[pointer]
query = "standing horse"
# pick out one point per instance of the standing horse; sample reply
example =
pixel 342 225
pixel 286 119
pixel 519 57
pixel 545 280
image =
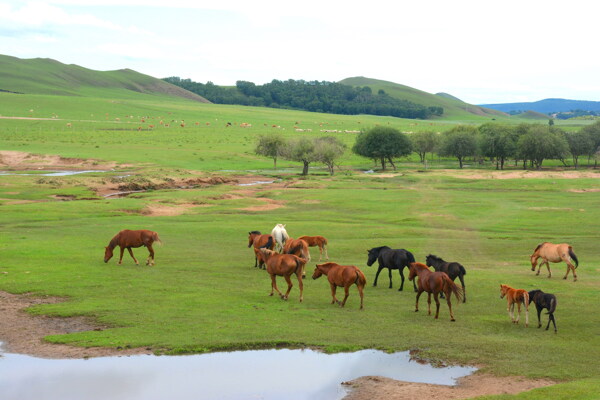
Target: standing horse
pixel 342 276
pixel 280 235
pixel 258 240
pixel 433 283
pixel 283 265
pixel 320 241
pixel 453 269
pixel 544 300
pixel 298 247
pixel 554 253
pixel 126 239
pixel 391 259
pixel 515 296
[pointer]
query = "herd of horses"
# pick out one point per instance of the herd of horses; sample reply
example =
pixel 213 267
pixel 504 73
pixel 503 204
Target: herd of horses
pixel 284 256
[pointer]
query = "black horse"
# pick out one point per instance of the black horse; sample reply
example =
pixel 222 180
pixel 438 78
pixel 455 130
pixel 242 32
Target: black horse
pixel 391 259
pixel 544 300
pixel 453 269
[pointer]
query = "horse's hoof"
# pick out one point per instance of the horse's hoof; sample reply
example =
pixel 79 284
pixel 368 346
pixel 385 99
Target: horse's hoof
pixel 416 310
pixel 452 320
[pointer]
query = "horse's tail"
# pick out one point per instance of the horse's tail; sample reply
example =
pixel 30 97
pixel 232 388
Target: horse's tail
pixel 294 249
pixel 324 240
pixel 361 280
pixel 299 263
pixel 462 269
pixel 156 238
pixel 552 306
pixel 573 256
pixel 454 288
pixel 269 243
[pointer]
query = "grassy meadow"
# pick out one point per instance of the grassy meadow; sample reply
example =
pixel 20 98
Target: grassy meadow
pixel 204 294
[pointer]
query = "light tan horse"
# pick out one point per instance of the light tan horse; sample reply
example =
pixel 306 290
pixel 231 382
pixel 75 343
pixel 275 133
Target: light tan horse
pixel 515 296
pixel 283 265
pixel 554 253
pixel 319 241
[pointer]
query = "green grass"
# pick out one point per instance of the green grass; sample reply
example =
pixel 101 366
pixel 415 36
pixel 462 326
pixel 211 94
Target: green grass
pixel 204 293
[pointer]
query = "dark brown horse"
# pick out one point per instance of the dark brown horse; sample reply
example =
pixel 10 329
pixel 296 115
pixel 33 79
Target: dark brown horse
pixel 127 239
pixel 342 276
pixel 298 247
pixel 433 283
pixel 258 240
pixel 314 241
pixel 283 265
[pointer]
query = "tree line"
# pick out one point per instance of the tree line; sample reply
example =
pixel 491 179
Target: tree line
pixel 525 144
pixel 315 96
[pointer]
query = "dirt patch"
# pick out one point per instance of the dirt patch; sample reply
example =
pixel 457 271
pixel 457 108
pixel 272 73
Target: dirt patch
pixel 162 210
pixel 377 387
pixel 18 160
pixel 23 333
pixel 584 190
pixel 267 205
pixel 520 174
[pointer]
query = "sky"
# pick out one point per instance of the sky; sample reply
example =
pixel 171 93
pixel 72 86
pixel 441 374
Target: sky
pixel 479 51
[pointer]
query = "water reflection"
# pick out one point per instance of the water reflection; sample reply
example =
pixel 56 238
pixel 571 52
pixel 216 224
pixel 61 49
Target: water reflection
pixel 53 173
pixel 265 374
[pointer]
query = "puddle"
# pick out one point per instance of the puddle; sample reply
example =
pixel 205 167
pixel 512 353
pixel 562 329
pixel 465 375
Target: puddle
pixel 123 194
pixel 53 173
pixel 255 183
pixel 260 374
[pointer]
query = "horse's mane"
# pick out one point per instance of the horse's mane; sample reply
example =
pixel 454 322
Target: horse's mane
pixel 381 248
pixel 255 233
pixel 114 242
pixel 436 257
pixel 538 246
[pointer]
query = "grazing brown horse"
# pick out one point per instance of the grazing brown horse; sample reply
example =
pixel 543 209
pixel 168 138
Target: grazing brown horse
pixel 515 296
pixel 283 265
pixel 127 239
pixel 258 240
pixel 319 241
pixel 342 276
pixel 433 283
pixel 298 247
pixel 554 253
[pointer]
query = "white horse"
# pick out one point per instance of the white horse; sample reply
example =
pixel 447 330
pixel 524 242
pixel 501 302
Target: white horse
pixel 280 235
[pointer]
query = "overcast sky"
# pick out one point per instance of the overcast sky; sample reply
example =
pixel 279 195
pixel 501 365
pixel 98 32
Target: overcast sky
pixel 479 51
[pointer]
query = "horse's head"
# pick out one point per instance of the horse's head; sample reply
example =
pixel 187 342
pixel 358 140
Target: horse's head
pixel 412 271
pixel 373 254
pixel 503 290
pixel 534 259
pixel 429 260
pixel 251 236
pixel 108 253
pixel 317 273
pixel 266 252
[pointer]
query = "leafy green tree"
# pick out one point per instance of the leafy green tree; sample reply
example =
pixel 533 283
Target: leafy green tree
pixel 593 131
pixel 270 146
pixel 383 144
pixel 301 149
pixel 424 142
pixel 498 142
pixel 580 144
pixel 541 143
pixel 459 142
pixel 327 150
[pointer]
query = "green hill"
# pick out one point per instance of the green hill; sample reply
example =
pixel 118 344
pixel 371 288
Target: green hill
pixel 453 107
pixel 50 77
pixel 532 115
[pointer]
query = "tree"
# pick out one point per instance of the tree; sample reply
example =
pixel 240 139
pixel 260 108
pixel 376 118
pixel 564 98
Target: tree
pixel 593 131
pixel 327 150
pixel 270 146
pixel 301 149
pixel 383 144
pixel 460 142
pixel 498 142
pixel 540 143
pixel 580 144
pixel 424 142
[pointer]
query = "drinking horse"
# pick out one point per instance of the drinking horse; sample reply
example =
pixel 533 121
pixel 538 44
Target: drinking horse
pixel 258 240
pixel 554 253
pixel 342 276
pixel 319 241
pixel 283 265
pixel 518 297
pixel 433 283
pixel 126 239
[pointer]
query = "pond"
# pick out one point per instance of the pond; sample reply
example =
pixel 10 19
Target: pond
pixel 51 173
pixel 260 374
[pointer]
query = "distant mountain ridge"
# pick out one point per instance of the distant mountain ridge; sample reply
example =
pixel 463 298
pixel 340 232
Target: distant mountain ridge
pixel 51 77
pixel 547 106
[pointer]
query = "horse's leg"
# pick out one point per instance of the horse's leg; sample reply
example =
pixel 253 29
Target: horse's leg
pixel 360 292
pixel 526 313
pixel 401 276
pixel 417 300
pixel 390 276
pixel 548 266
pixel 320 252
pixel 462 282
pixel 333 289
pixel 326 255
pixel 274 285
pixel 150 260
pixel 290 285
pixel 437 305
pixel 300 285
pixel 448 296
pixel 510 308
pixel 132 256
pixel 539 312
pixel 518 312
pixel 551 316
pixel 377 275
pixel 540 267
pixel 428 303
pixel 346 294
pixel 121 255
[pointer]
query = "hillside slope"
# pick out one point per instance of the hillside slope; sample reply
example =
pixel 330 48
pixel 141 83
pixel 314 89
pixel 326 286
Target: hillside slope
pixel 547 106
pixel 453 107
pixel 51 77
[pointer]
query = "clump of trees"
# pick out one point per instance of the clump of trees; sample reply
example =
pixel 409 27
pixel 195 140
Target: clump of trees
pixel 317 96
pixel 382 144
pixel 304 149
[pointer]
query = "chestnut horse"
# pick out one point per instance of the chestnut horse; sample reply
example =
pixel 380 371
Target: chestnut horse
pixel 127 239
pixel 515 296
pixel 342 276
pixel 554 253
pixel 433 283
pixel 453 269
pixel 258 240
pixel 283 265
pixel 298 247
pixel 319 241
